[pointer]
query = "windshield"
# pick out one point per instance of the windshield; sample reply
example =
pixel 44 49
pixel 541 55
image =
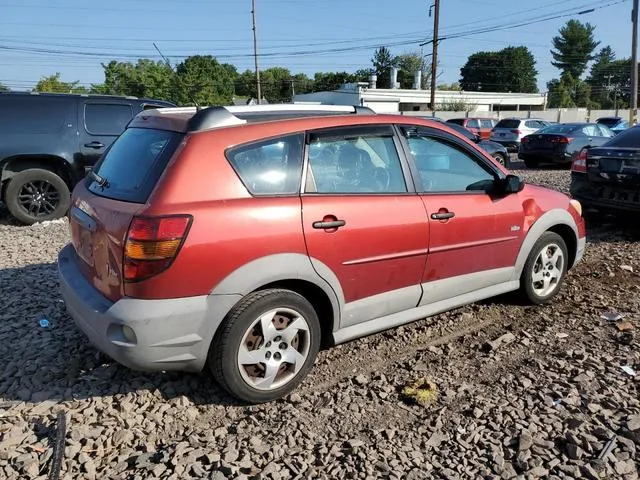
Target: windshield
pixel 627 139
pixel 132 166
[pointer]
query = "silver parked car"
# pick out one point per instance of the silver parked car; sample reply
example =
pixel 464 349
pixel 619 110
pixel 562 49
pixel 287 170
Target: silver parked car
pixel 509 131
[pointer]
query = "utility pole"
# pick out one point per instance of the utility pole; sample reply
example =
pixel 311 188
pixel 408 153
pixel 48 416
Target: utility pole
pixel 633 114
pixel 255 49
pixel 434 58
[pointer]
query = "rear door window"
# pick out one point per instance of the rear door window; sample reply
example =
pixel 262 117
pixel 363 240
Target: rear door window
pixel 106 118
pixel 33 114
pixel 270 167
pixel 473 124
pixel 134 163
pixel 486 123
pixel 590 131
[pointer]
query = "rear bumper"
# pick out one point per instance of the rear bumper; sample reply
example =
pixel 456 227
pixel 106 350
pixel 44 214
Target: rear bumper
pixel 508 144
pixel 545 156
pixel 171 334
pixel 607 196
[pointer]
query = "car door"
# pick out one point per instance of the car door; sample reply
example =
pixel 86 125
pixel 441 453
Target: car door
pixel 474 236
pixel 100 122
pixel 366 230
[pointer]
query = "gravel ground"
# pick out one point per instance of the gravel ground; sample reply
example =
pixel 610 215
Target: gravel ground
pixel 521 392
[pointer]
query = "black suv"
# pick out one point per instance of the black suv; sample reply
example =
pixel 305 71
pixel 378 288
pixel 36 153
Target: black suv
pixel 48 142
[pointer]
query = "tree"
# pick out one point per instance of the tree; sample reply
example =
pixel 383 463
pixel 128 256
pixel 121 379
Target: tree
pixel 325 81
pixel 146 78
pixel 511 69
pixel 452 87
pixel 574 48
pixel 53 84
pixel 4 88
pixel 276 85
pixel 601 75
pixel 382 62
pixel 207 81
pixel 569 92
pixel 408 64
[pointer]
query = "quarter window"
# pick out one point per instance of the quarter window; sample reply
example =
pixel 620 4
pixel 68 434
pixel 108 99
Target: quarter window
pixel 360 160
pixel 446 167
pixel 106 119
pixel 270 167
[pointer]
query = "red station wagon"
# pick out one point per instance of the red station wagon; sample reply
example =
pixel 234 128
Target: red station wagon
pixel 237 237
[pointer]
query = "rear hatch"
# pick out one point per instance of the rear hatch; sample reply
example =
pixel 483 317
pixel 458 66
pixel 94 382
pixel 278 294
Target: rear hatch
pixel 546 142
pixel 614 166
pixel 617 162
pixel 105 203
pixel 506 130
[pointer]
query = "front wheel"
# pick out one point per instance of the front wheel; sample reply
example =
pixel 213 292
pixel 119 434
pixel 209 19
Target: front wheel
pixel 37 195
pixel 265 346
pixel 545 269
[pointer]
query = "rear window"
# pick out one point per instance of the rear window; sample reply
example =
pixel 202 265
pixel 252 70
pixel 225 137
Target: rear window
pixel 558 128
pixel 133 164
pixel 106 118
pixel 609 122
pixel 456 121
pixel 508 123
pixel 629 138
pixel 32 114
pixel 486 123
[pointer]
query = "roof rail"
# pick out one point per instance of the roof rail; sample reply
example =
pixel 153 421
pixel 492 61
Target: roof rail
pixel 222 116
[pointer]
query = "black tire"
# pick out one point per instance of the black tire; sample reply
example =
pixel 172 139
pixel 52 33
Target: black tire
pixel 224 349
pixel 23 184
pixel 531 163
pixel 526 279
pixel 502 159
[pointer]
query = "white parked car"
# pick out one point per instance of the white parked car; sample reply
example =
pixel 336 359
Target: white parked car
pixel 509 131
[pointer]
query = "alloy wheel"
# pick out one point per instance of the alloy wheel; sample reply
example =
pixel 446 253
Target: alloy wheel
pixel 547 270
pixel 38 198
pixel 274 349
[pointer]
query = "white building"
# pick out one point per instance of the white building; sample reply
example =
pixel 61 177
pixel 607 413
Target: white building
pixel 395 100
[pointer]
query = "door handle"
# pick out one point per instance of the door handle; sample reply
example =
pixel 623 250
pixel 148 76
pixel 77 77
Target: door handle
pixel 329 224
pixel 442 215
pixel 95 145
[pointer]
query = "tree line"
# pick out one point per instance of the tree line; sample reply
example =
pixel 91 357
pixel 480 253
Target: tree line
pixel 203 79
pixel 513 69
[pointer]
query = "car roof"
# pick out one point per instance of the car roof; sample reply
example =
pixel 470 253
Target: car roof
pixel 85 95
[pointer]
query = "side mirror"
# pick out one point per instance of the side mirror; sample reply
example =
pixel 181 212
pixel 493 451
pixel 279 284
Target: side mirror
pixel 512 184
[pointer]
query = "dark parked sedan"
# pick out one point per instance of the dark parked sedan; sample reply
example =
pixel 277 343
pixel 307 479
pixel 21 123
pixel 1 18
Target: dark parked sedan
pixel 494 149
pixel 608 177
pixel 560 143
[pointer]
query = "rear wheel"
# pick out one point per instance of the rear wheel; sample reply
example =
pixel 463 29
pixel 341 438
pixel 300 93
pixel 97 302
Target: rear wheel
pixel 545 269
pixel 37 195
pixel 265 346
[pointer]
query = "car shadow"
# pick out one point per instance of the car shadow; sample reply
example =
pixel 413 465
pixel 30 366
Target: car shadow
pixel 46 357
pixel 6 218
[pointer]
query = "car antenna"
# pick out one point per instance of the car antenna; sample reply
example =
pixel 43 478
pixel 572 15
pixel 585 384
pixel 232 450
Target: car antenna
pixel 166 60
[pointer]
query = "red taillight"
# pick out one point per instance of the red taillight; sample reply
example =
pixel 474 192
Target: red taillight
pixel 561 140
pixel 152 244
pixel 517 132
pixel 525 139
pixel 579 163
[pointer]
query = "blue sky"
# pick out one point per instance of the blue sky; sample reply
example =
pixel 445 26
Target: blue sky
pixel 125 30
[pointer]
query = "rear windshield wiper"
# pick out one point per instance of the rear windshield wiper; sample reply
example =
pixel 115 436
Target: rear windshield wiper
pixel 101 181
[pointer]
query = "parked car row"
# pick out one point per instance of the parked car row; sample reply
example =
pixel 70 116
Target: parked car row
pixel 48 142
pixel 236 239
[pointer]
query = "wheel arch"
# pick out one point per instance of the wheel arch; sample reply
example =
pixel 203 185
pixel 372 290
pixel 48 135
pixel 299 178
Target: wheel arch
pixel 18 163
pixel 293 272
pixel 557 220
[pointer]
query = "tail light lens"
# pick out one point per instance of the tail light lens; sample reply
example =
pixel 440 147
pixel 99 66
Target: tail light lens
pixel 517 132
pixel 152 244
pixel 579 163
pixel 525 139
pixel 561 140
